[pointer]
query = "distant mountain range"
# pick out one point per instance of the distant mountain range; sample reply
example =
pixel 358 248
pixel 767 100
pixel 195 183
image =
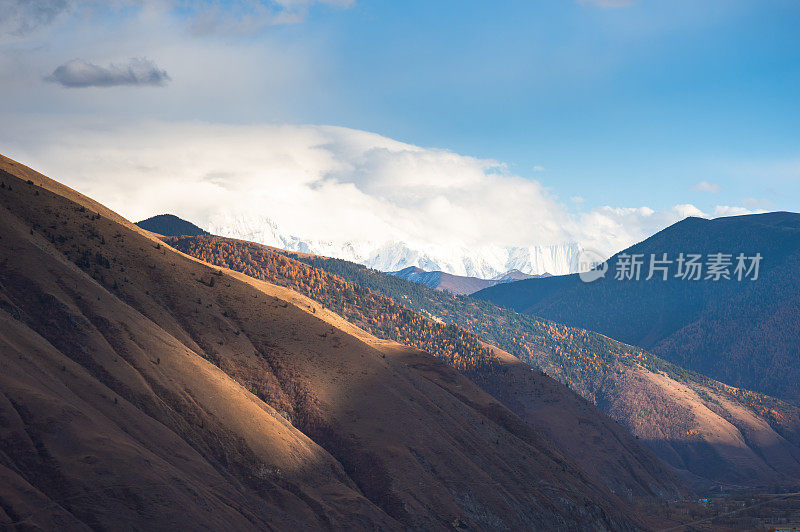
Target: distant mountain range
pixel 457 284
pixel 488 262
pixel 744 333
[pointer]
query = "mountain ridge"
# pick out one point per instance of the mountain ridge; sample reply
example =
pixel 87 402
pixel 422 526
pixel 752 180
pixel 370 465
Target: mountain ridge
pixel 743 333
pixel 456 284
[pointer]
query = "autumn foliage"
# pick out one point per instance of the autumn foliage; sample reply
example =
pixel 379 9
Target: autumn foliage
pixel 379 315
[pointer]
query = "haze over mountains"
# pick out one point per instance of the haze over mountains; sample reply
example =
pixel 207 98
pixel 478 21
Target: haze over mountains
pixel 744 333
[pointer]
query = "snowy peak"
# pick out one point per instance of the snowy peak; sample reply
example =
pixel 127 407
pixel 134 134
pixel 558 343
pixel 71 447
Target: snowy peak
pixel 486 262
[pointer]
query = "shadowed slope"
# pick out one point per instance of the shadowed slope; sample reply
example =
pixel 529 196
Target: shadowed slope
pixel 705 433
pixel 600 445
pixel 143 384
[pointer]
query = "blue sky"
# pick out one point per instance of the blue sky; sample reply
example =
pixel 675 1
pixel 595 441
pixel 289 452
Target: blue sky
pixel 610 107
pixel 632 104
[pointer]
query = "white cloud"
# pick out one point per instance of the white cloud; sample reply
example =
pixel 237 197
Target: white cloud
pixel 610 229
pixel 705 186
pixel 78 73
pixel 577 199
pixel 727 210
pixel 319 182
pixel 271 77
pixel 538 168
pixel 19 18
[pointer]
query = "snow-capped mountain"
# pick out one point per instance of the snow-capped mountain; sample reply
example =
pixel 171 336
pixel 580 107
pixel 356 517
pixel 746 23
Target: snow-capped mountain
pixel 486 262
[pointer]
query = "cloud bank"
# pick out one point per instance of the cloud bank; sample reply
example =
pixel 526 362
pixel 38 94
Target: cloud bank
pixel 322 183
pixel 23 17
pixel 78 73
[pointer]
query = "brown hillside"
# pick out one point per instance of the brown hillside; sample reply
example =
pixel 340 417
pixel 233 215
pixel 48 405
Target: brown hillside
pixel 600 445
pixel 758 447
pixel 144 389
pixel 713 435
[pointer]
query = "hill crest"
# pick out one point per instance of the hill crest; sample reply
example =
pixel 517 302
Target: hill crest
pixel 171 225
